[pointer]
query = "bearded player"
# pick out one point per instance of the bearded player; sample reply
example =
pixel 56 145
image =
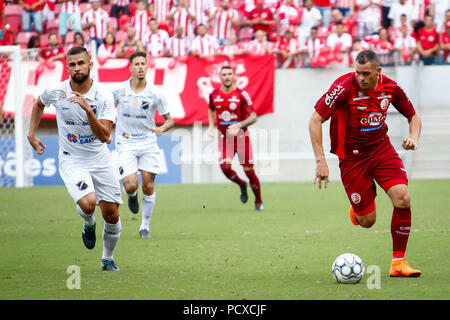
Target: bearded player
pixel 85 116
pixel 357 104
pixel 233 110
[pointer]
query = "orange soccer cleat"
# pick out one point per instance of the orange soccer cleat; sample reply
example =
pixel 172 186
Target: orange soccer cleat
pixel 353 217
pixel 401 268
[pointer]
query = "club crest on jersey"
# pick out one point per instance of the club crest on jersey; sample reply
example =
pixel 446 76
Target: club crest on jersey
pixel 94 109
pixel 356 197
pixel 233 106
pixel 145 105
pixel 62 95
pixel 385 103
pixel 333 95
pixel 81 185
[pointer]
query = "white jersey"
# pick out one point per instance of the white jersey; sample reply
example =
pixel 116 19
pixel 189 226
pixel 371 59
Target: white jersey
pixel 75 135
pixel 136 116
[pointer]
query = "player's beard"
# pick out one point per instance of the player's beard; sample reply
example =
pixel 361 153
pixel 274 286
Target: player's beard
pixel 80 78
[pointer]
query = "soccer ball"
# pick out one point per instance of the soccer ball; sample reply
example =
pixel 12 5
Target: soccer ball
pixel 348 268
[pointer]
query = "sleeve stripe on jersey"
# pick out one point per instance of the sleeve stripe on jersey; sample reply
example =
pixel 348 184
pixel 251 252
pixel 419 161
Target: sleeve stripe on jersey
pixel 247 97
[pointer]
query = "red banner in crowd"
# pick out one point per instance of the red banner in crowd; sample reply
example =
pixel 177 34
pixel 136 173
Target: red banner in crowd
pixel 185 84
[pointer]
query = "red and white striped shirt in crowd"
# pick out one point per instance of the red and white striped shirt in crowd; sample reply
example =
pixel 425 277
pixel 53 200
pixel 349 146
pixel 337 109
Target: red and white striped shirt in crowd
pixel 397 32
pixel 100 18
pixel 156 42
pixel 382 48
pixel 161 9
pixel 71 6
pixel 206 45
pixel 313 47
pixel 181 17
pixel 407 43
pixel 140 23
pixel 273 5
pixel 178 47
pixel 200 9
pixel 231 48
pixel 419 9
pixel 257 48
pixel 222 22
pixel 290 46
pixel 344 4
pixel 289 14
pixel 121 3
pixel 51 5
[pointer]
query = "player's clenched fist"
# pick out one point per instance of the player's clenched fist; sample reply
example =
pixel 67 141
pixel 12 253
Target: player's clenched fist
pixel 409 144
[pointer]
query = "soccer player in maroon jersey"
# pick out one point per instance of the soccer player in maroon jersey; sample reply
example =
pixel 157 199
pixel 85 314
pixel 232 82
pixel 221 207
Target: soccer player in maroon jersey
pixel 233 110
pixel 357 104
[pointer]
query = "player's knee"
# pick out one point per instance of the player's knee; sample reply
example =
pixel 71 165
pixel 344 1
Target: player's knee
pixel 225 167
pixel 130 187
pixel 368 220
pixel 87 204
pixel 402 199
pixel 148 188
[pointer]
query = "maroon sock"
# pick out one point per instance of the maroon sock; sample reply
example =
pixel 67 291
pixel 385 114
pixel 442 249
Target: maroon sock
pixel 254 184
pixel 231 174
pixel 400 228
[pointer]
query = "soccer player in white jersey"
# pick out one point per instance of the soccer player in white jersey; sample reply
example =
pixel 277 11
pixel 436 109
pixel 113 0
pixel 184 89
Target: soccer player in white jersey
pixel 84 116
pixel 136 137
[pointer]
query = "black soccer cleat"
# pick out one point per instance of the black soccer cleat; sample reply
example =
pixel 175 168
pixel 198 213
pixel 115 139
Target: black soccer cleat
pixel 244 195
pixel 133 203
pixel 88 236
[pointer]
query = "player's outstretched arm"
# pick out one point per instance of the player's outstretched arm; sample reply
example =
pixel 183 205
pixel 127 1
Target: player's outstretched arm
pixel 36 115
pixel 168 124
pixel 415 126
pixel 315 132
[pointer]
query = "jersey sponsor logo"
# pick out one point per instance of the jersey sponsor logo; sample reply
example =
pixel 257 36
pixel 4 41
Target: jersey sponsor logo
pixel 126 135
pixel 373 119
pixel 356 197
pixel 361 107
pixel 227 116
pixel 218 99
pixel 81 138
pixel 76 123
pixel 361 96
pixel 331 98
pixel 233 99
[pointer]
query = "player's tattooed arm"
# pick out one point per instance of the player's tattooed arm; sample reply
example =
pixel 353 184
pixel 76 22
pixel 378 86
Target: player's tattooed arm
pixel 101 128
pixel 168 124
pixel 236 127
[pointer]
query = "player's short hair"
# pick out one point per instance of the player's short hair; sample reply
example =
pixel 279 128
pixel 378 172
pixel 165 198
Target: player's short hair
pixel 77 50
pixel 226 67
pixel 137 54
pixel 368 56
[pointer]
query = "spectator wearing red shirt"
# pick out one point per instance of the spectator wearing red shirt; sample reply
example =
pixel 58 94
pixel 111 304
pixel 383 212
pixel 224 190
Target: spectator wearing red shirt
pixel 428 41
pixel 32 14
pixel 324 7
pixel 445 42
pixel 338 17
pixel 53 52
pixel 287 50
pixel 260 18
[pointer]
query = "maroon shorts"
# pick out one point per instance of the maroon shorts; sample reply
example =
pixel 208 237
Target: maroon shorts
pixel 241 144
pixel 383 166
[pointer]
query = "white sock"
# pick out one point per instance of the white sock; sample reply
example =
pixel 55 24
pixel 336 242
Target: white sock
pixel 88 218
pixel 129 194
pixel 148 203
pixel 111 235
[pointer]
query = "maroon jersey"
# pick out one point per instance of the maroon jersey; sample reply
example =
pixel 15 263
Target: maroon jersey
pixel 230 107
pixel 358 116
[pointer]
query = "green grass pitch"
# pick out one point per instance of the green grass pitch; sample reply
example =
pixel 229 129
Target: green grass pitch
pixel 207 245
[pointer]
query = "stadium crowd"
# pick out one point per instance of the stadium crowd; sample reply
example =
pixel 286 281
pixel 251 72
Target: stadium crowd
pixel 300 33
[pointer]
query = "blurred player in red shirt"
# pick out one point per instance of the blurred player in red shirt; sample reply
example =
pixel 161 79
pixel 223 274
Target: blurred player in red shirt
pixel 232 108
pixel 53 52
pixel 357 104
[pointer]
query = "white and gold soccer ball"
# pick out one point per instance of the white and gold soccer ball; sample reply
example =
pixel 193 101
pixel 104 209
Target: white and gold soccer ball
pixel 348 268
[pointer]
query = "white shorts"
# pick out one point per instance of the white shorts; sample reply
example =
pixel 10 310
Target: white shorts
pixel 82 177
pixel 130 162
